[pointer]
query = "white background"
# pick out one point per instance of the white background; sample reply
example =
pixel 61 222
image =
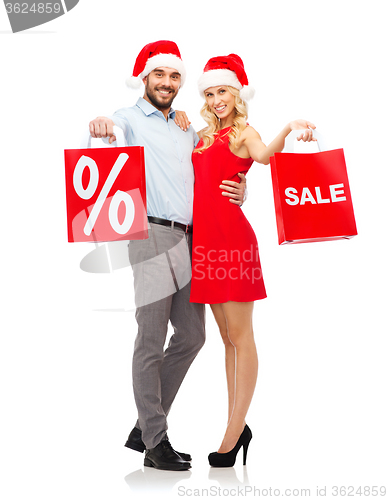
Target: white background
pixel 320 409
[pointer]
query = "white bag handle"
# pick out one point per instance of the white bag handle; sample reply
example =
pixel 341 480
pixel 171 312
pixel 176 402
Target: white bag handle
pixel 118 132
pixel 291 138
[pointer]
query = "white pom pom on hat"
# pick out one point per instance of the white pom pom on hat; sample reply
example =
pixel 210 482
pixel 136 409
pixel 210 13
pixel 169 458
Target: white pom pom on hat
pixel 162 53
pixel 226 70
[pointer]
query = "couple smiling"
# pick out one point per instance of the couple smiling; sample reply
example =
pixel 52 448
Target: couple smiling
pixel 208 222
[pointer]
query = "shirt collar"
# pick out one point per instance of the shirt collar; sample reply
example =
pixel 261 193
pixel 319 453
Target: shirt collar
pixel 148 109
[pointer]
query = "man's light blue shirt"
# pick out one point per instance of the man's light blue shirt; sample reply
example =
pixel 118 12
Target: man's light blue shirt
pixel 168 166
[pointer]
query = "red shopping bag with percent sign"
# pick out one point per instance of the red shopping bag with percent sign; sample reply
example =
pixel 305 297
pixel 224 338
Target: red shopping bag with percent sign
pixel 312 195
pixel 106 192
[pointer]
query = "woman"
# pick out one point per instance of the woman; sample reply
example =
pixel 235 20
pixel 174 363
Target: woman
pixel 226 270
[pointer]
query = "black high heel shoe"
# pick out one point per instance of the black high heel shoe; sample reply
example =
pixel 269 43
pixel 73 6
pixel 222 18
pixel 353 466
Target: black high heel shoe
pixel 228 459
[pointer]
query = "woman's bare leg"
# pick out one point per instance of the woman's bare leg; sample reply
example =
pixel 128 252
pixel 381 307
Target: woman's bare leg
pixel 240 332
pixel 230 354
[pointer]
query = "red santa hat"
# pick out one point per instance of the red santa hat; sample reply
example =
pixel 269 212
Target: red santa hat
pixel 226 70
pixel 155 55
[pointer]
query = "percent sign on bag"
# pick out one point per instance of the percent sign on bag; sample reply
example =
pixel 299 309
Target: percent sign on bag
pixel 106 194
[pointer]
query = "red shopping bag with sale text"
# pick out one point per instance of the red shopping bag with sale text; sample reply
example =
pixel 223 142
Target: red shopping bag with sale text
pixel 106 192
pixel 312 196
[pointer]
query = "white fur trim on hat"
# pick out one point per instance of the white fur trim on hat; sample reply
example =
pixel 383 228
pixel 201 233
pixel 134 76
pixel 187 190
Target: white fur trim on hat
pixel 160 60
pixel 217 77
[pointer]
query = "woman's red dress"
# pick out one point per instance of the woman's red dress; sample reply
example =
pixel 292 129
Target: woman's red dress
pixel 225 262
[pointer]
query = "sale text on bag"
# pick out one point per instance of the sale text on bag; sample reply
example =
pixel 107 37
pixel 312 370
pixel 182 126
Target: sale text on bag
pixel 336 191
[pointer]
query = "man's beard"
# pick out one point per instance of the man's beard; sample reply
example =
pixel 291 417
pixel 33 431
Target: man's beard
pixel 158 102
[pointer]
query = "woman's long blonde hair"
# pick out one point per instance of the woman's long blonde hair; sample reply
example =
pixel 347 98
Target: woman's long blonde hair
pixel 239 123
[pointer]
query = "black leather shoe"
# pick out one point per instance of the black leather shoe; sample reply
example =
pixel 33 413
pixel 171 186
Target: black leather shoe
pixel 164 457
pixel 135 442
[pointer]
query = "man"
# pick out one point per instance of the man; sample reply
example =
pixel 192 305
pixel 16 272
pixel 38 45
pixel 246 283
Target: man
pixel 162 262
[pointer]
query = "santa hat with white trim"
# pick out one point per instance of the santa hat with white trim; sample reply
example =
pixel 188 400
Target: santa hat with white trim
pixel 154 55
pixel 226 70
